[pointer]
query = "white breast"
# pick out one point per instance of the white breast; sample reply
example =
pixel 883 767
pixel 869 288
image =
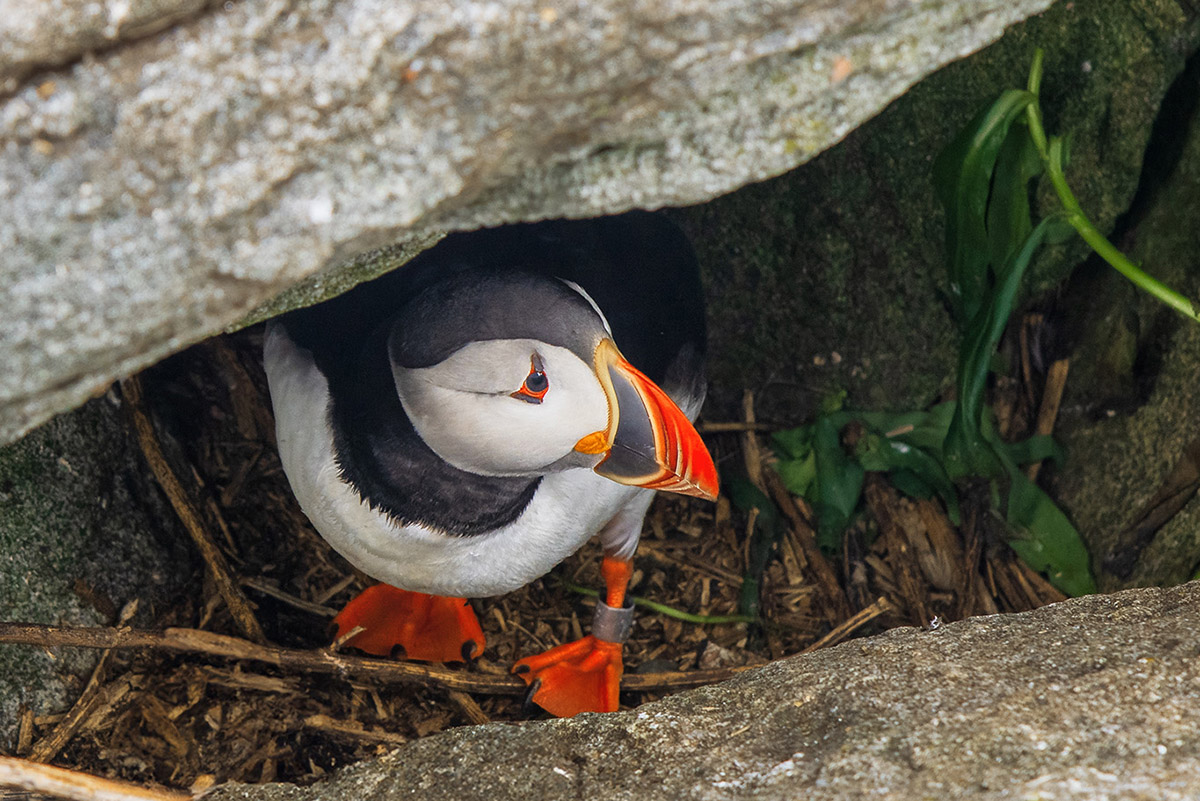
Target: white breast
pixel 567 509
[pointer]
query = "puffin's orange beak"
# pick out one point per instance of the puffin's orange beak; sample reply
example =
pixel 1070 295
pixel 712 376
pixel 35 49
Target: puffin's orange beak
pixel 649 441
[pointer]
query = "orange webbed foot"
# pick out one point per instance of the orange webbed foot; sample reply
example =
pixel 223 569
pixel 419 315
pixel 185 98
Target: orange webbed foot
pixel 585 675
pixel 428 628
pixel 580 676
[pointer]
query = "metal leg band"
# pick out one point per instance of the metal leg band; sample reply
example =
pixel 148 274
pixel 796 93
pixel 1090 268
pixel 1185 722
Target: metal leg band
pixel 612 625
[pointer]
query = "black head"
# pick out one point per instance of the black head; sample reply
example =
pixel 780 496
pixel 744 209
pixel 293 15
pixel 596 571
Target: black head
pixel 476 305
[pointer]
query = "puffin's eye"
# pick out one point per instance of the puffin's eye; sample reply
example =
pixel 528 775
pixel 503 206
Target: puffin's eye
pixel 536 384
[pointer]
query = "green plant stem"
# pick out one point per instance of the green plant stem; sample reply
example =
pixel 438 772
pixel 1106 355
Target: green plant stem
pixel 1033 112
pixel 1051 153
pixel 663 609
pixel 1105 249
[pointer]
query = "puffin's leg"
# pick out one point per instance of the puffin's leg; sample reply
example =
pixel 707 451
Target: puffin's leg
pixel 585 675
pixel 429 628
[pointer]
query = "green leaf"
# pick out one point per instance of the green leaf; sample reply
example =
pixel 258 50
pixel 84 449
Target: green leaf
pixel 966 451
pixel 928 428
pixel 904 462
pixel 795 443
pixel 1059 230
pixel 746 496
pixel 962 175
pixel 1045 538
pixel 799 475
pixel 1008 215
pixel 834 402
pixel 922 429
pixel 839 484
pixel 1034 449
pixel 910 484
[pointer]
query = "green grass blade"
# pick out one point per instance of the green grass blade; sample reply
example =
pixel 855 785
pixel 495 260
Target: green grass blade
pixel 663 609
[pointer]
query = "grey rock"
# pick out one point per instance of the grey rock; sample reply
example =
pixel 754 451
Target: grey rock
pixel 1090 699
pixel 35 36
pixel 163 187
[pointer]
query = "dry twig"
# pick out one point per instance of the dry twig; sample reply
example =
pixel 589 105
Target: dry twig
pixel 33 777
pixel 881 607
pixel 836 606
pixel 189 515
pixel 751 451
pixel 353 730
pixel 324 662
pixel 267 588
pixel 24 730
pixel 1052 394
pixel 733 428
pixel 250 410
pixel 91 700
pixel 471 710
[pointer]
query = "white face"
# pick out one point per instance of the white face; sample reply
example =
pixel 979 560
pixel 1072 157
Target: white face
pixel 480 409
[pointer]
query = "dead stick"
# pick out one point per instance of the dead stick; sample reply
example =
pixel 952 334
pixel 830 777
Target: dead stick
pixel 267 588
pixel 751 450
pixel 466 704
pixel 732 428
pixel 968 570
pixel 325 662
pixel 250 412
pixel 1056 382
pixel 1043 590
pixel 837 604
pixel 850 625
pixel 238 606
pixel 25 729
pixel 47 748
pixel 1030 322
pixel 34 777
pixel 353 730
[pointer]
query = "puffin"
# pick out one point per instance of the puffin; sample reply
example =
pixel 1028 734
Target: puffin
pixel 462 424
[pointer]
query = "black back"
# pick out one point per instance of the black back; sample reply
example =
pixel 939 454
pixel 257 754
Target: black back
pixel 640 270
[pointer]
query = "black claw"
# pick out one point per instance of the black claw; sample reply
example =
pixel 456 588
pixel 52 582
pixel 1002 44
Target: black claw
pixel 528 706
pixel 468 650
pixel 520 669
pixel 397 652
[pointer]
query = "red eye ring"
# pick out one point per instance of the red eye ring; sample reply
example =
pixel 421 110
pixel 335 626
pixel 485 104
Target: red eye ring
pixel 536 384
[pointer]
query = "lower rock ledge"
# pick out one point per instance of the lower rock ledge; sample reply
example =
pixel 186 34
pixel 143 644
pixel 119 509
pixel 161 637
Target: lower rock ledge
pixel 1094 698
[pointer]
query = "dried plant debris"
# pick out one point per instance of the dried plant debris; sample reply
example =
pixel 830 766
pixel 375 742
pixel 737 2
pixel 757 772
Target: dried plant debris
pixel 189 720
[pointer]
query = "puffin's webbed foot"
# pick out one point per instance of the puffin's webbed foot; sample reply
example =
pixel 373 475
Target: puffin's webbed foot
pixel 585 675
pixel 580 676
pixel 428 628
